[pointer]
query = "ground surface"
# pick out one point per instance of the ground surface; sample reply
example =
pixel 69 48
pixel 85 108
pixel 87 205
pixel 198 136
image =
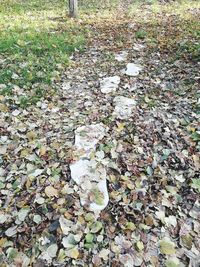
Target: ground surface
pixel 152 158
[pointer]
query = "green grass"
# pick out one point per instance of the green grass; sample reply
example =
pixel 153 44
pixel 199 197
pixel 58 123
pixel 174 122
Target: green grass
pixel 23 6
pixel 141 34
pixel 36 40
pixel 34 57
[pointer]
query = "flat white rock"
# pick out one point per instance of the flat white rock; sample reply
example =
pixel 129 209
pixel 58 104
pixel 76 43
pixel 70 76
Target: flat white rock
pixel 87 137
pixel 85 169
pixel 121 56
pixel 132 69
pixel 123 107
pixel 89 176
pixel 16 112
pixel 138 47
pixel 109 84
pixel 80 170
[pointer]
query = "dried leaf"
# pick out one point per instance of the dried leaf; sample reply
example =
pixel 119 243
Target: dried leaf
pixel 50 191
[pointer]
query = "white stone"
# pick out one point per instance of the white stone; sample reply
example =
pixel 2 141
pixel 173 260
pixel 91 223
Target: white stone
pixel 88 174
pixel 80 170
pixel 109 84
pixel 87 137
pixel 132 69
pixel 123 107
pixel 121 56
pixel 138 47
pixel 16 112
pixel 85 169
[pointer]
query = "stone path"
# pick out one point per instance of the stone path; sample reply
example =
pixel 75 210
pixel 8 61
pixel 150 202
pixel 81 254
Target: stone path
pixel 103 99
pixel 87 170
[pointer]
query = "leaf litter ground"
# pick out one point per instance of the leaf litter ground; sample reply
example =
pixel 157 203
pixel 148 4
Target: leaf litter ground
pixel 149 152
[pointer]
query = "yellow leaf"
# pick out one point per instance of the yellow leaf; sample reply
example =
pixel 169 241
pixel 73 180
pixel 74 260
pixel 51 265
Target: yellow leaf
pixel 73 253
pixel 120 126
pixel 24 153
pixel 130 185
pixel 130 226
pixel 2 241
pixel 31 135
pixel 191 129
pixel 43 151
pixel 140 245
pixel 196 160
pixel 3 108
pixel 28 183
pixel 167 247
pixel 50 191
pixel 187 241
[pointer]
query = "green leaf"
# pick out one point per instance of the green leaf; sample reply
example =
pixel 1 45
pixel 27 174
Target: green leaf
pixel 195 136
pixel 3 218
pixel 196 184
pixel 96 227
pixel 37 218
pixel 22 214
pixel 2 185
pixel 52 250
pixel 12 253
pixel 89 238
pixel 88 245
pixel 89 217
pixel 11 231
pixel 149 171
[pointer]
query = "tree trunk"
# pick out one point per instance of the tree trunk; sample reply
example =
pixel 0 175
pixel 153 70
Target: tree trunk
pixel 73 8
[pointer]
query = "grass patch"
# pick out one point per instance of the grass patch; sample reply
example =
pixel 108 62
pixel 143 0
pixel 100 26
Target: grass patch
pixel 36 40
pixel 23 6
pixel 35 57
pixel 141 34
